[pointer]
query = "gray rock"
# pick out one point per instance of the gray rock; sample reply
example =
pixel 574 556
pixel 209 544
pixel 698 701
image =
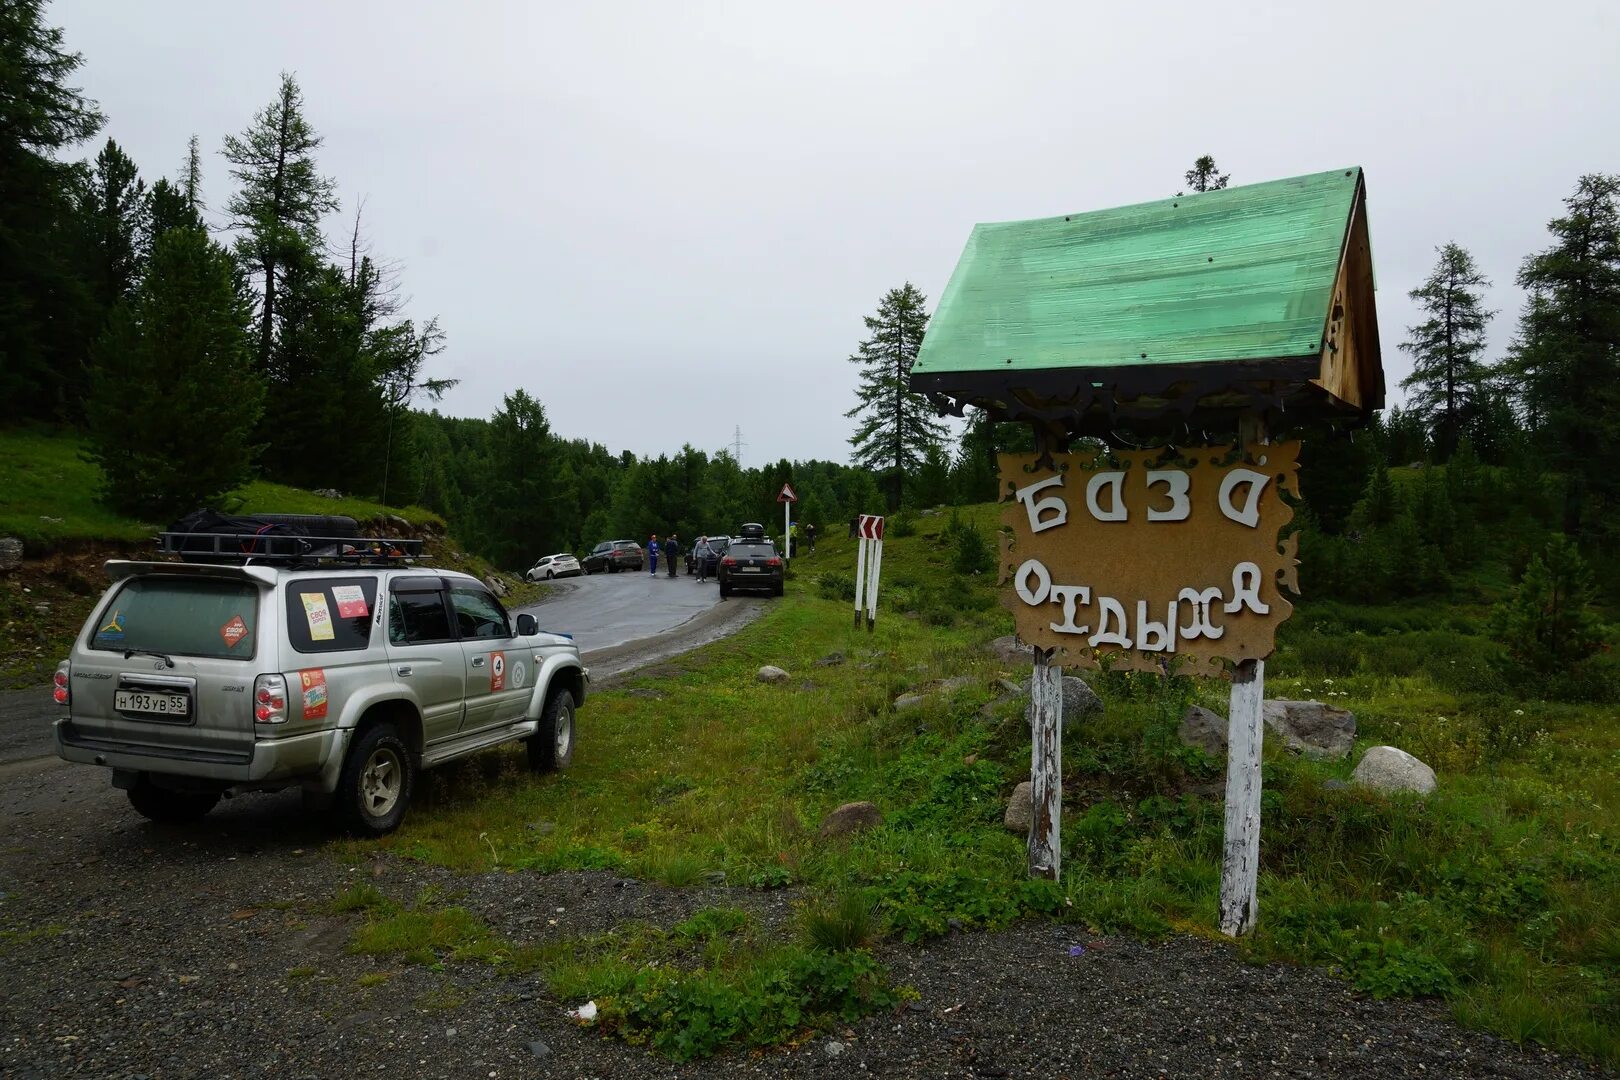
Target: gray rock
pixel 850 818
pixel 1020 808
pixel 1388 768
pixel 1012 689
pixel 539 1049
pixel 771 674
pixel 11 553
pixel 399 523
pixel 1009 651
pixel 1318 731
pixel 832 659
pixel 1079 701
pixel 958 682
pixel 1204 729
pixel 833 1049
pixel 496 585
pixel 908 701
pixel 1335 784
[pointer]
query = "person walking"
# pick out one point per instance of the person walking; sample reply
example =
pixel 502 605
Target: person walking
pixel 672 548
pixel 700 559
pixel 810 535
pixel 652 555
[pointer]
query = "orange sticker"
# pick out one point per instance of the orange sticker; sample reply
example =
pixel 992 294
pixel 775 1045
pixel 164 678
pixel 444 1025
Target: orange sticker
pixel 314 683
pixel 233 631
pixel 497 671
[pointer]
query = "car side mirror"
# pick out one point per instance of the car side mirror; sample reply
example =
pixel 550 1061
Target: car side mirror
pixel 526 625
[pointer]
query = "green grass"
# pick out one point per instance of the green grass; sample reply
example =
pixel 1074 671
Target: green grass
pixel 1497 894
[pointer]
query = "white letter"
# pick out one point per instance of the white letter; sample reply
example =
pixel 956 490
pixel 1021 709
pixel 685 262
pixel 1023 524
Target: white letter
pixel 1176 481
pixel 1154 636
pixel 1066 595
pixel 1094 485
pixel 1034 598
pixel 1246 590
pixel 1201 626
pixel 1250 514
pixel 1035 508
pixel 1106 606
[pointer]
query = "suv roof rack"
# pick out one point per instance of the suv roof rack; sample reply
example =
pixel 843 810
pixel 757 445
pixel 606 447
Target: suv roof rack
pixel 287 549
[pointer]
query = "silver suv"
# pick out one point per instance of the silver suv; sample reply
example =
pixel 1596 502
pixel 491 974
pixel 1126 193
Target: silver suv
pixel 345 673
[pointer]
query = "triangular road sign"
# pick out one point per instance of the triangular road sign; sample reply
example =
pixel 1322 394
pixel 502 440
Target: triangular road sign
pixel 787 494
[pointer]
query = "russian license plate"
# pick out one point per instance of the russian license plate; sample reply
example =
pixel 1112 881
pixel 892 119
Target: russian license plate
pixel 140 701
pixel 750 569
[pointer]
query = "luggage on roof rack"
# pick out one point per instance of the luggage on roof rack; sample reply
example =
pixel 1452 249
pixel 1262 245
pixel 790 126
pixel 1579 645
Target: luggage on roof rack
pixel 209 536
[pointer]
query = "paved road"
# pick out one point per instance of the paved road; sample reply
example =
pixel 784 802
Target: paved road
pixel 619 621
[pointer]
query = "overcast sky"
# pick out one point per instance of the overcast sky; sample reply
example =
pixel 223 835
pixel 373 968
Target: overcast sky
pixel 667 220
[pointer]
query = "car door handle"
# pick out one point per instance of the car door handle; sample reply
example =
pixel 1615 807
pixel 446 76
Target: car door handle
pixel 478 661
pixel 404 671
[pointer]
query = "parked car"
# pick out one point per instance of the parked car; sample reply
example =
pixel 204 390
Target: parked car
pixel 711 546
pixel 613 556
pixel 264 662
pixel 750 564
pixel 563 564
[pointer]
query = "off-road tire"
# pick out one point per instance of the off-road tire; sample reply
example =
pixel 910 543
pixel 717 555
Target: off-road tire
pixel 170 807
pixel 552 747
pixel 776 590
pixel 549 575
pixel 725 590
pixel 379 778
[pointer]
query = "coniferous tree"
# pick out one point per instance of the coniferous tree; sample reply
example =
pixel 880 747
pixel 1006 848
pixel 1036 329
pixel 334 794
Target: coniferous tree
pixel 1565 361
pixel 168 208
pixel 1448 378
pixel 1205 176
pixel 116 215
pixel 897 425
pixel 518 493
pixel 175 394
pixel 1549 623
pixel 282 198
pixel 46 314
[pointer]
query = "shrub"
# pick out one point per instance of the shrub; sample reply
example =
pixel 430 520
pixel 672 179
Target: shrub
pixel 847 921
pixel 973 553
pixel 1549 624
pixel 833 585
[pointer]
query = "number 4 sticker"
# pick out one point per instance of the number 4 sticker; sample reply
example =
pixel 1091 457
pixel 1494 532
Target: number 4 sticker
pixel 497 671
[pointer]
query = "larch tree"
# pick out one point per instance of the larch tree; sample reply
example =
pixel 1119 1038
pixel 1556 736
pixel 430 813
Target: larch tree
pixel 897 427
pixel 1205 176
pixel 1565 360
pixel 281 200
pixel 1448 377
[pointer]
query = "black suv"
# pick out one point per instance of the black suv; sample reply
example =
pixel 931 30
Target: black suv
pixel 613 556
pixel 751 563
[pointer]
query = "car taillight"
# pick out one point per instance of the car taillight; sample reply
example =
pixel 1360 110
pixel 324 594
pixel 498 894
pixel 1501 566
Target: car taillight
pixel 728 561
pixel 59 688
pixel 773 562
pixel 270 699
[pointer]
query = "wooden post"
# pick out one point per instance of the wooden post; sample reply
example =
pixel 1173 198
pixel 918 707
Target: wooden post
pixel 1245 735
pixel 1045 766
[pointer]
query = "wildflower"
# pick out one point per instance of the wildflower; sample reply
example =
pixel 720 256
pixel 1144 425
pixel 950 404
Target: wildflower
pixel 1518 712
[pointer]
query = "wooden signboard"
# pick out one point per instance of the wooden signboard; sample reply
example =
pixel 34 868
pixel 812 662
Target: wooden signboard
pixel 1139 558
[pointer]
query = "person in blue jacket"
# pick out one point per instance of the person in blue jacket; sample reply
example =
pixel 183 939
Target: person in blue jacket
pixel 652 555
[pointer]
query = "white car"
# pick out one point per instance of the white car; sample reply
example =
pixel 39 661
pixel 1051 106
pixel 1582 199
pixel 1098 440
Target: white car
pixel 554 566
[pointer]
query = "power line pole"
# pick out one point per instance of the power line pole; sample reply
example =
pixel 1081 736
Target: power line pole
pixel 737 445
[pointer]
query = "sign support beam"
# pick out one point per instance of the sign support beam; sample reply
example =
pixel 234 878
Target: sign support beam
pixel 1045 766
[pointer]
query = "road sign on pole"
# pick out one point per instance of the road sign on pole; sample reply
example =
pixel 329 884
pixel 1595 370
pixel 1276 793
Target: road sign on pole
pixel 868 562
pixel 787 497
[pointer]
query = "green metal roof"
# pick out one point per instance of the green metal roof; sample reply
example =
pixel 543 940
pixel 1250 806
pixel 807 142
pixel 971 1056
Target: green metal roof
pixel 1241 274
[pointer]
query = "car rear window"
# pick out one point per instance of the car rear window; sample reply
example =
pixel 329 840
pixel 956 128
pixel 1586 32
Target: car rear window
pixel 180 616
pixel 752 549
pixel 330 614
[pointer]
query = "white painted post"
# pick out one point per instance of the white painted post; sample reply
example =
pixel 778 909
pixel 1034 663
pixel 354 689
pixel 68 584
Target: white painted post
pixel 872 584
pixel 787 530
pixel 1045 766
pixel 1240 856
pixel 1245 737
pixel 860 576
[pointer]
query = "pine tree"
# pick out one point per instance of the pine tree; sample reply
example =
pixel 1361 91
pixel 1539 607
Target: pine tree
pixel 1447 380
pixel 191 184
pixel 168 208
pixel 1565 361
pixel 1549 624
pixel 175 396
pixel 282 197
pixel 518 494
pixel 46 314
pixel 116 215
pixel 897 425
pixel 1204 176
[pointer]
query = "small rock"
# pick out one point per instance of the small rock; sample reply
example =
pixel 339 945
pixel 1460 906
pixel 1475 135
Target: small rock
pixel 771 674
pixel 832 659
pixel 1389 768
pixel 908 701
pixel 1079 701
pixel 1318 731
pixel 970 761
pixel 833 1049
pixel 1011 688
pixel 1020 809
pixel 449 1033
pixel 11 553
pixel 1204 729
pixel 539 1049
pixel 850 818
pixel 1010 651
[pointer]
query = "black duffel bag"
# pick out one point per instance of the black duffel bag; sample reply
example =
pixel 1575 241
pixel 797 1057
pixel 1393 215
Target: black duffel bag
pixel 200 533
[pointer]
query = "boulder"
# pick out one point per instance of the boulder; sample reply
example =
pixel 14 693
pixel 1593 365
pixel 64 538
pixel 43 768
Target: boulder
pixel 1079 701
pixel 955 683
pixel 1020 808
pixel 907 701
pixel 496 585
pixel 832 659
pixel 1318 731
pixel 771 674
pixel 11 553
pixel 852 817
pixel 1388 768
pixel 1010 651
pixel 1204 729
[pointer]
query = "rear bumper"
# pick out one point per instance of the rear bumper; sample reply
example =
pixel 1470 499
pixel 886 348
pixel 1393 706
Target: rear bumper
pixel 752 582
pixel 262 761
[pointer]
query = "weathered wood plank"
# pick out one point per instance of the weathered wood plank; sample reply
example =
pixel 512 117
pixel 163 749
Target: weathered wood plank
pixel 1240 859
pixel 1045 766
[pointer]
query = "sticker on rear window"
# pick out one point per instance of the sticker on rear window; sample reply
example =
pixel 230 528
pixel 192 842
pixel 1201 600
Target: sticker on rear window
pixel 114 630
pixel 497 671
pixel 233 631
pixel 318 615
pixel 351 601
pixel 314 684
